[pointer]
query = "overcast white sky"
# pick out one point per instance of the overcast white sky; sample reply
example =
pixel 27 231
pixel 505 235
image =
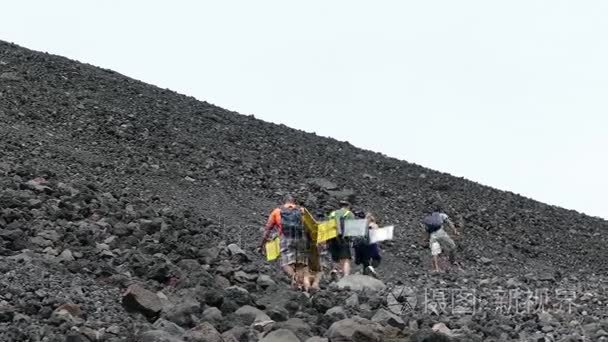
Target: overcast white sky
pixel 511 94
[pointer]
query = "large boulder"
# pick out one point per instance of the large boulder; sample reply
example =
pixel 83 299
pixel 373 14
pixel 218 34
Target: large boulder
pixel 355 329
pixel 138 299
pixel 281 335
pixel 359 282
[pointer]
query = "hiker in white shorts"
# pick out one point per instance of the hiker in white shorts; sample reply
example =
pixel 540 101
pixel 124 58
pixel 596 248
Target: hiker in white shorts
pixel 438 237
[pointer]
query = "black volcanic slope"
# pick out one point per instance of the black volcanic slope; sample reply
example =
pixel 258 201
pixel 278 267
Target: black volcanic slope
pixel 144 183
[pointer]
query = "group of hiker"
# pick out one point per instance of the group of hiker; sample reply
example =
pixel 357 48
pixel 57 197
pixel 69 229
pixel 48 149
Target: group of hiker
pixel 303 259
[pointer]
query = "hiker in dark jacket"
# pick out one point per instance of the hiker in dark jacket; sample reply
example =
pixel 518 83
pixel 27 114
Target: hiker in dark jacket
pixel 367 254
pixel 438 237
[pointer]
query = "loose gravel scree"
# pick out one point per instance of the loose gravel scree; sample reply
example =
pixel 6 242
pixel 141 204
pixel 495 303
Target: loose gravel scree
pixel 131 213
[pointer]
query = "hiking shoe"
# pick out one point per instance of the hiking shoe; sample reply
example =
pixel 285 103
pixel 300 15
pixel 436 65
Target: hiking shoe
pixel 371 271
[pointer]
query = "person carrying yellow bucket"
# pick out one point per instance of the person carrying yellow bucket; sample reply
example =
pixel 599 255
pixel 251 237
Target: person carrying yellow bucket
pixel 286 224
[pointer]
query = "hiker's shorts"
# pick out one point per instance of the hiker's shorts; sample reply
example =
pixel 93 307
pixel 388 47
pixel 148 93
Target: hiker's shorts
pixel 294 250
pixel 439 240
pixel 339 248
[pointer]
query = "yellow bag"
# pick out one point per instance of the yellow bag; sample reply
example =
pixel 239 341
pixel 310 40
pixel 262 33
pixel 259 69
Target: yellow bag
pixel 326 230
pixel 309 222
pixel 273 249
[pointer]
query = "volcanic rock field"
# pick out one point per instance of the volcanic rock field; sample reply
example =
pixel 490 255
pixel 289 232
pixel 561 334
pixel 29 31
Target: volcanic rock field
pixel 132 213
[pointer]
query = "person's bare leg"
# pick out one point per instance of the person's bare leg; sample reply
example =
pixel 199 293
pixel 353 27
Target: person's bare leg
pixel 435 263
pixel 290 270
pixel 345 263
pixel 316 280
pixel 452 258
pixel 306 283
pixel 306 280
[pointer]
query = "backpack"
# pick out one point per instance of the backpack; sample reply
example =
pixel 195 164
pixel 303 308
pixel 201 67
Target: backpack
pixel 340 215
pixel 291 222
pixel 433 222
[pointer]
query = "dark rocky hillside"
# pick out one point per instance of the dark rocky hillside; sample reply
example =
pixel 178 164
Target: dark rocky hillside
pixel 106 182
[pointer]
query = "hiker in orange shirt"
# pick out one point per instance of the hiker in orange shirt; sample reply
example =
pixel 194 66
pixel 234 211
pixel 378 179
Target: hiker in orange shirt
pixel 286 222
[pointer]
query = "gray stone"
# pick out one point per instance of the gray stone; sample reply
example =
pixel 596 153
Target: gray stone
pixel 50 235
pixel 36 186
pixel 229 337
pixel 234 249
pixel 183 314
pixel 113 329
pixel 278 313
pixel 250 315
pixel 297 326
pixel 244 277
pixel 190 265
pixel 66 255
pixel 359 282
pixel 239 295
pixel 485 261
pixel 427 335
pixel 346 194
pixel 63 315
pixel 323 183
pixel 170 327
pixel 238 333
pixel 263 327
pixel 212 314
pixel 92 335
pixel 41 242
pixel 10 76
pixel 221 282
pixel 513 283
pixel 442 329
pixel 335 314
pixel 265 281
pixel 204 332
pixel 137 298
pixel 388 318
pixel 281 335
pixel 51 251
pixel 547 329
pixel 317 339
pixel 546 276
pixel 352 301
pixel 591 328
pixel 546 318
pixel 355 329
pixel 157 336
